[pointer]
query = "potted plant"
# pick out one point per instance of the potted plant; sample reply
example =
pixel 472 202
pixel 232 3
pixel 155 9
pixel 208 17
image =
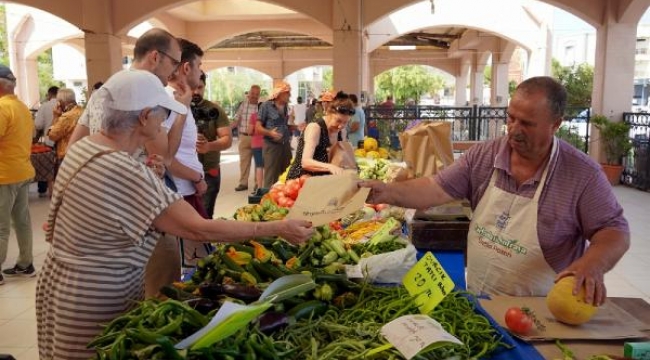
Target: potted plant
pixel 615 137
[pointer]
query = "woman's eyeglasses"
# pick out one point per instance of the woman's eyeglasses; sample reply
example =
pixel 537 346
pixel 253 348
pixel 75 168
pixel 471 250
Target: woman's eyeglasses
pixel 345 111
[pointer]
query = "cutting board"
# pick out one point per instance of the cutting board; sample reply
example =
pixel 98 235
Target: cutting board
pixel 610 322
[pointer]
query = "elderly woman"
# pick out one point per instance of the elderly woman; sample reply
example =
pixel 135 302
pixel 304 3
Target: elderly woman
pixel 66 114
pixel 107 212
pixel 312 155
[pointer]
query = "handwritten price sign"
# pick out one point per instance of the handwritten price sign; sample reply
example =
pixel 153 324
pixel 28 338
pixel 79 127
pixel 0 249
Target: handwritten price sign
pixel 428 282
pixel 410 334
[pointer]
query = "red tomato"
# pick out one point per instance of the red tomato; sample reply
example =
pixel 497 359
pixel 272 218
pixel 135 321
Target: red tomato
pixel 380 207
pixel 289 202
pixel 282 201
pixel 290 182
pixel 519 321
pixel 292 190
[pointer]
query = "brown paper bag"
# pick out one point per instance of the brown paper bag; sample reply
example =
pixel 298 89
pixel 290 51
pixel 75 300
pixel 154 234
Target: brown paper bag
pixel 324 199
pixel 427 148
pixel 341 154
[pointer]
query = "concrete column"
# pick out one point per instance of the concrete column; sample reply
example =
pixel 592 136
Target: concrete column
pixel 462 82
pixel 103 56
pixel 476 81
pixel 347 46
pixel 613 73
pixel 499 85
pixel 539 59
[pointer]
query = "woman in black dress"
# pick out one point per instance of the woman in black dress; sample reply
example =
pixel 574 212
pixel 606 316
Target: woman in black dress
pixel 319 136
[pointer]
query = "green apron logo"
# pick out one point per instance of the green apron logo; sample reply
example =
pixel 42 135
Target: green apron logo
pixel 507 243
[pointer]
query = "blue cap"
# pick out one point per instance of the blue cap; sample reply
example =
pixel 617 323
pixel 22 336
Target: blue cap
pixel 6 73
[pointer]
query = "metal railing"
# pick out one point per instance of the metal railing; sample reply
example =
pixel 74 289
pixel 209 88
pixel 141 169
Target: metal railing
pixel 636 164
pixel 468 123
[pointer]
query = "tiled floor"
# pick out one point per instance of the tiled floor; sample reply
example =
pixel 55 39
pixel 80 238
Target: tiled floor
pixel 17 318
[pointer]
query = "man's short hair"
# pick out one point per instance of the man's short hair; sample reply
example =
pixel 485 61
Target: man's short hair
pixel 203 77
pixel 189 50
pixel 98 85
pixel 153 39
pixel 556 95
pixel 52 91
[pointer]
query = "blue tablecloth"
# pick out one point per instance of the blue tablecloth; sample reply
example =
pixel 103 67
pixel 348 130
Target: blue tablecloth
pixel 454 264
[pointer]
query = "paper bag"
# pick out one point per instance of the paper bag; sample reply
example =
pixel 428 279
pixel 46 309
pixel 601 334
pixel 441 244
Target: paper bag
pixel 427 148
pixel 324 199
pixel 341 154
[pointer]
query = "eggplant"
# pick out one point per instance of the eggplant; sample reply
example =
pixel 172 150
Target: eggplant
pixel 273 321
pixel 242 292
pixel 202 305
pixel 211 290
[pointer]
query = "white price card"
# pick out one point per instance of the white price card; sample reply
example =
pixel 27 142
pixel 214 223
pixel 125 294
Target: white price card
pixel 410 334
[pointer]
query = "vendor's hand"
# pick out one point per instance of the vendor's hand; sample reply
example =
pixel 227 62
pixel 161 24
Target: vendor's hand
pixel 201 187
pixel 202 144
pixel 379 192
pixel 593 279
pixel 275 135
pixel 296 231
pixel 155 163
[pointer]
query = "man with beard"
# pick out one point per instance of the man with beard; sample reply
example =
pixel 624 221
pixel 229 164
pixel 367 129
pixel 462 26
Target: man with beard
pixel 214 136
pixel 543 210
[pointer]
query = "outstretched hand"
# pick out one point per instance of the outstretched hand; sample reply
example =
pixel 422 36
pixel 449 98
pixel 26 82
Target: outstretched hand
pixel 296 231
pixel 379 193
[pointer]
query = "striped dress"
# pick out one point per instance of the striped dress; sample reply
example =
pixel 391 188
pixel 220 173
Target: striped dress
pixel 100 245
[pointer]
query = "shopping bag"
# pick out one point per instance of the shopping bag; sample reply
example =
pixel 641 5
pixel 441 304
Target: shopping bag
pixel 427 148
pixel 341 154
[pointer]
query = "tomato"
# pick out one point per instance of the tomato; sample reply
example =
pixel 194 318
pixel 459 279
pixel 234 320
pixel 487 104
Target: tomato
pixel 292 190
pixel 282 201
pixel 519 320
pixel 289 203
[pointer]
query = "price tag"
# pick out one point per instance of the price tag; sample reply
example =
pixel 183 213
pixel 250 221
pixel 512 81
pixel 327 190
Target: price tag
pixel 384 231
pixel 410 334
pixel 428 282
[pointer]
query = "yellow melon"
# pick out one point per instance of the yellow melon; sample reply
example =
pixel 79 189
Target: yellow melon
pixel 566 307
pixel 370 144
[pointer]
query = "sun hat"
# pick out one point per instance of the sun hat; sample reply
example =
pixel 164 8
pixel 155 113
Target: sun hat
pixel 279 89
pixel 134 90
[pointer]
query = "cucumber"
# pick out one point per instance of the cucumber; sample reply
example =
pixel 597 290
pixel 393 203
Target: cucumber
pixel 311 308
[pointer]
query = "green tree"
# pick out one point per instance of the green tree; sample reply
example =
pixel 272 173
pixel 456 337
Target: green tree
pixel 4 55
pixel 227 86
pixel 487 75
pixel 578 81
pixel 328 76
pixel 407 82
pixel 45 71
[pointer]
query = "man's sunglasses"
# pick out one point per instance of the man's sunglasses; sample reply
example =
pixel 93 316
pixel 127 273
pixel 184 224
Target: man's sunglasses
pixel 344 110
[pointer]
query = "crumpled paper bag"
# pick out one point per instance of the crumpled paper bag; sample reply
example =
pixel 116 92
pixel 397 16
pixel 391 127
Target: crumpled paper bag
pixel 389 268
pixel 427 148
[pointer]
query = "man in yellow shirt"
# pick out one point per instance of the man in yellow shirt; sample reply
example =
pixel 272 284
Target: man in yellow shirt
pixel 16 173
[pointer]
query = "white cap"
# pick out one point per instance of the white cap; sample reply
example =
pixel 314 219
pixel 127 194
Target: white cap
pixel 134 90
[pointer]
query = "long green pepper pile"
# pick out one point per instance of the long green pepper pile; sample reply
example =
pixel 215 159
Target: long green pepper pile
pixel 354 332
pixel 150 330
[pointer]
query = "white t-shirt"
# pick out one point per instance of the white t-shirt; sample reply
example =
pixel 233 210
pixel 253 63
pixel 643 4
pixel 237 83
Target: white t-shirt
pixel 44 118
pixel 299 113
pixel 93 113
pixel 186 153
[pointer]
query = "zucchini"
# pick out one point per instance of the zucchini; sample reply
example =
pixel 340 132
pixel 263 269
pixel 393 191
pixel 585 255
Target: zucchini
pixel 251 270
pixel 311 308
pixel 244 248
pixel 281 250
pixel 267 269
pixel 231 264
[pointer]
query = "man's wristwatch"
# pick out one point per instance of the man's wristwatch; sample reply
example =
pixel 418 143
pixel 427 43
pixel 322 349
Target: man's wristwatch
pixel 201 177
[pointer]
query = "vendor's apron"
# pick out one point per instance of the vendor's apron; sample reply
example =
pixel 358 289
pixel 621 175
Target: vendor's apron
pixel 503 250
